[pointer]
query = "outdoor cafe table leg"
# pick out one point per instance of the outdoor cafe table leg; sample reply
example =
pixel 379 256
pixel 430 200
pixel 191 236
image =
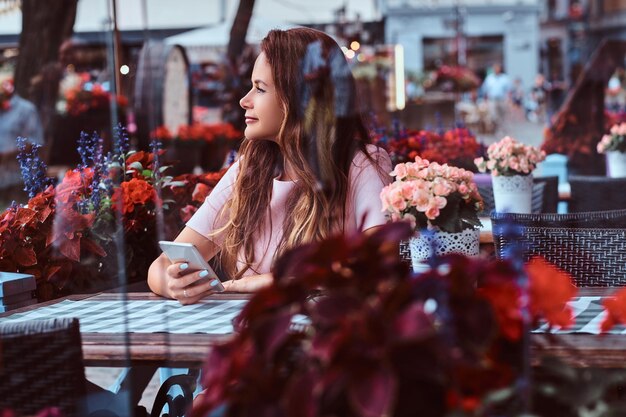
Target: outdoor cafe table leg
pixel 177 405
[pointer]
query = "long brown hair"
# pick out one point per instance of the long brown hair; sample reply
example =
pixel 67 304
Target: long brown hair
pixel 314 140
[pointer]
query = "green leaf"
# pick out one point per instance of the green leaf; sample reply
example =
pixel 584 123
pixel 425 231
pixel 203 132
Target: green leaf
pixel 146 173
pixel 136 165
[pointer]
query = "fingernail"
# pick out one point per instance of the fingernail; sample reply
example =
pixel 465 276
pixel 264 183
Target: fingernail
pixel 204 273
pixel 184 266
pixel 214 283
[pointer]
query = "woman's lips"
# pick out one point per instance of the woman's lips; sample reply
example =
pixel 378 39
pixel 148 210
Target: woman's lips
pixel 251 120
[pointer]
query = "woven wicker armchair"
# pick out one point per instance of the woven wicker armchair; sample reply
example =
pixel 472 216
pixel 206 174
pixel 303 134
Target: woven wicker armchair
pixel 41 365
pixel 593 193
pixel 591 246
pixel 545 198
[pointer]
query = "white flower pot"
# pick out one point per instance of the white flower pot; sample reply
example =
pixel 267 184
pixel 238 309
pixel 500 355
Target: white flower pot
pixel 513 194
pixel 615 164
pixel 421 246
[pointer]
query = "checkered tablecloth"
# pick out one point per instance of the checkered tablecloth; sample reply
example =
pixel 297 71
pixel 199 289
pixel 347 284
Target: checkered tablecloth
pixel 215 316
pixel 589 315
pixel 142 316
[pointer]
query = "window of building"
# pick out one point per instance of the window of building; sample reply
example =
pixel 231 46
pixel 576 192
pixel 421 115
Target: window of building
pixel 482 51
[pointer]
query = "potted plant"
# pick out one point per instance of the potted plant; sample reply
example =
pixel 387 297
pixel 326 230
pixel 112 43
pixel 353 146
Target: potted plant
pixel 380 342
pixel 457 146
pixel 440 202
pixel 199 147
pixel 511 164
pixel 614 146
pixel 66 234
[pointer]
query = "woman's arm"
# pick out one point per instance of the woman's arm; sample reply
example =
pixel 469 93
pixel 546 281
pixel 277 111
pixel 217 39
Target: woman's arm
pixel 170 280
pixel 251 283
pixel 173 280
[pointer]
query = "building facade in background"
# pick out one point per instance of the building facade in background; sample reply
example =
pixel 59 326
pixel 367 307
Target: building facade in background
pixel 472 33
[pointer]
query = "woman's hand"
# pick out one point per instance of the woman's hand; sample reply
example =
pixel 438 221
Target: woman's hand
pixel 177 280
pixel 188 287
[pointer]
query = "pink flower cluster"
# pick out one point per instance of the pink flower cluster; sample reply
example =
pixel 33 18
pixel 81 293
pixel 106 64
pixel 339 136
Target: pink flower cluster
pixel 422 189
pixel 509 157
pixel 615 141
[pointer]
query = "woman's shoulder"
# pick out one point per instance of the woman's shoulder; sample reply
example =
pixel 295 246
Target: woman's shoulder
pixel 373 155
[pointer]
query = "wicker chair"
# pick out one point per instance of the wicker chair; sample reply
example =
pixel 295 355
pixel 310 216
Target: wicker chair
pixel 41 365
pixel 591 246
pixel 595 193
pixel 550 201
pixel 545 198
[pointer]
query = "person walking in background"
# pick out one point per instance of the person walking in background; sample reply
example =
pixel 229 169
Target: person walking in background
pixel 536 103
pixel 497 89
pixel 556 89
pixel 518 95
pixel 18 117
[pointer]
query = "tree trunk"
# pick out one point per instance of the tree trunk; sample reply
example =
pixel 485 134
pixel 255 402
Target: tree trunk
pixel 240 62
pixel 44 28
pixel 239 29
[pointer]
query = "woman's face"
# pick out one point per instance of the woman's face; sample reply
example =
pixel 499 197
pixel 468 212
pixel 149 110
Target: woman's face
pixel 264 114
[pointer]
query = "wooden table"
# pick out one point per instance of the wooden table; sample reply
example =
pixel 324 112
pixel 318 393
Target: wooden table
pixel 190 350
pixel 145 349
pixel 584 350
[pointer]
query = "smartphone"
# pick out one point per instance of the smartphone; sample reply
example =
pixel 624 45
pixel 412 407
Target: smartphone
pixel 187 252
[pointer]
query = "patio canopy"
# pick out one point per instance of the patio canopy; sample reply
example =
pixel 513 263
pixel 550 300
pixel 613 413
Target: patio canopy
pixel 218 35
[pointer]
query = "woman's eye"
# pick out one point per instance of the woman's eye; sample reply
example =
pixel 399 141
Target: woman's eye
pixel 260 90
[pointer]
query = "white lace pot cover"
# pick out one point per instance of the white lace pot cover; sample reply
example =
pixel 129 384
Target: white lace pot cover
pixel 616 164
pixel 466 242
pixel 513 194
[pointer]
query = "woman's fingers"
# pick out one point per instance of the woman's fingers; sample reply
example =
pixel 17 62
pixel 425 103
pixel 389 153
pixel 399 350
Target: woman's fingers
pixel 195 292
pixel 188 287
pixel 178 269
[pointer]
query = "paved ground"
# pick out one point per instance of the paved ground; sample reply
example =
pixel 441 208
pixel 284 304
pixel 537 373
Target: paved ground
pixel 516 125
pixel 105 377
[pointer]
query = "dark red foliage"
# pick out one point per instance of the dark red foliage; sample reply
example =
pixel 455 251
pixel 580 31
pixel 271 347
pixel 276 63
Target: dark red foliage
pixel 380 341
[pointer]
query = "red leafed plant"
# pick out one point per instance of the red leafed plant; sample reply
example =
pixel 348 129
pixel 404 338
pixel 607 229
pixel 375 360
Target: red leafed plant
pixel 456 147
pixel 66 234
pixel 201 132
pixel 383 342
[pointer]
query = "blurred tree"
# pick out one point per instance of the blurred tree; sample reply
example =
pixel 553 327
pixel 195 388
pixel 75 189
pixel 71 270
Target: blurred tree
pixel 239 29
pixel 44 28
pixel 240 61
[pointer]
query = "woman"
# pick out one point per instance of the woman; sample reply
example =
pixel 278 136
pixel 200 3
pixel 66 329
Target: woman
pixel 304 172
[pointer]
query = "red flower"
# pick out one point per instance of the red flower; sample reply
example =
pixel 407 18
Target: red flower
pixel 76 183
pixel 550 290
pixel 134 192
pixel 616 310
pixel 201 132
pixel 200 192
pixel 162 133
pixel 503 295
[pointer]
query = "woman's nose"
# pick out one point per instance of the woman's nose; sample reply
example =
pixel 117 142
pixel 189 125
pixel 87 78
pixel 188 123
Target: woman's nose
pixel 245 102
